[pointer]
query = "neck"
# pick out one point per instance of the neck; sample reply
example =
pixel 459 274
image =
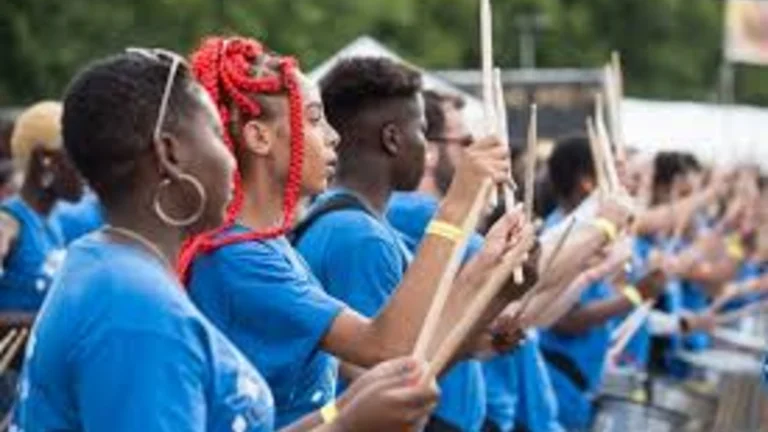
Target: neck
pixel 428 186
pixel 569 204
pixel 39 200
pixel 148 226
pixel 263 202
pixel 374 187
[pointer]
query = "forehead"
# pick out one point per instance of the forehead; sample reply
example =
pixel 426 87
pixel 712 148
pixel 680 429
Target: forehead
pixel 310 91
pixel 207 106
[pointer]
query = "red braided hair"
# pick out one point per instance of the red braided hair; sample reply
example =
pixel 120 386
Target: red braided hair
pixel 224 68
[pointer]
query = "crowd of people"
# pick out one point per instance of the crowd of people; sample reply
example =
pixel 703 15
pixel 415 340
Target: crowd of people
pixel 221 244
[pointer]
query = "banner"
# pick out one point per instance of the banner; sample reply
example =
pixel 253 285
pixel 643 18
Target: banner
pixel 746 31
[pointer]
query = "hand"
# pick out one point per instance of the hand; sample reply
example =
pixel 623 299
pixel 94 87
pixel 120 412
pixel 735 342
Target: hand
pixel 651 286
pixel 486 157
pixel 616 209
pixel 389 398
pixel 702 321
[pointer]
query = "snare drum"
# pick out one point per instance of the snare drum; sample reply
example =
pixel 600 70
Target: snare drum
pixel 739 387
pixel 620 415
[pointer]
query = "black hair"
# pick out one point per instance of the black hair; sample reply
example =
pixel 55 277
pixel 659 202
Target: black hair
pixel 110 111
pixel 668 166
pixel 434 111
pixel 690 162
pixel 571 160
pixel 357 84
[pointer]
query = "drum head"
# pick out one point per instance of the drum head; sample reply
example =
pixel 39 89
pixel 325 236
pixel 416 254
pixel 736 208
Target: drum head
pixel 721 360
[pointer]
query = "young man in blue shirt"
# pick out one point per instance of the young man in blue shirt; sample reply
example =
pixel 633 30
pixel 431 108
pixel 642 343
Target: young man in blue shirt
pixel 380 118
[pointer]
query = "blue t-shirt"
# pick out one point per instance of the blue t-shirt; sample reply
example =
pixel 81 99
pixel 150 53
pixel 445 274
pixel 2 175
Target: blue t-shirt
pixel 587 352
pixel 368 276
pixel 463 389
pixel 35 256
pixel 80 218
pixel 118 346
pixel 264 298
pixel 636 353
pixel 537 408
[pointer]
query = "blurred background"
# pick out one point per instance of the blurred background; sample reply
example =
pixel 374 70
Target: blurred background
pixel 551 52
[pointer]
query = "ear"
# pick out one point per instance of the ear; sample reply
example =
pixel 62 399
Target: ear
pixel 258 137
pixel 391 139
pixel 587 184
pixel 168 152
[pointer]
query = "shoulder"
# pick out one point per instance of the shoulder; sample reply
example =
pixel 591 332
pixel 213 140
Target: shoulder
pixel 411 212
pixel 122 286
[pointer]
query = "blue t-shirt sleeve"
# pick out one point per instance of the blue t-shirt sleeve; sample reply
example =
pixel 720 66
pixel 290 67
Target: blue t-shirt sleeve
pixel 367 276
pixel 138 380
pixel 279 299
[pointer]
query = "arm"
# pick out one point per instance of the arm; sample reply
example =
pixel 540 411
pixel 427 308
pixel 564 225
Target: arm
pixel 394 330
pixel 9 231
pixel 667 217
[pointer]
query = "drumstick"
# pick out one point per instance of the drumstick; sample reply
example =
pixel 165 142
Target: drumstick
pixel 12 350
pixel 628 322
pixel 530 166
pixel 614 93
pixel 503 127
pixel 638 317
pixel 528 297
pixel 594 145
pixel 447 348
pixel 445 283
pixel 486 65
pixel 605 146
pixel 7 339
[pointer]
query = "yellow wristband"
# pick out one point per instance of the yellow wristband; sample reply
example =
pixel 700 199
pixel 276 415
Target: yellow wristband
pixel 607 227
pixel 329 412
pixel 734 247
pixel 445 230
pixel 633 295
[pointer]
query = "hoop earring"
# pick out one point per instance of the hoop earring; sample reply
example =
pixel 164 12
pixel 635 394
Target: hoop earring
pixel 184 222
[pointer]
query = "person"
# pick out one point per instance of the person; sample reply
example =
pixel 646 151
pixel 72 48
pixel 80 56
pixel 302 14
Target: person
pixel 576 345
pixel 31 242
pixel 118 345
pixel 79 218
pixel 248 279
pixel 366 99
pixel 474 395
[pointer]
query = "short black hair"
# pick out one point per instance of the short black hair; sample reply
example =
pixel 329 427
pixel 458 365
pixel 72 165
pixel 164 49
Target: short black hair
pixel 356 84
pixel 110 111
pixel 570 161
pixel 435 113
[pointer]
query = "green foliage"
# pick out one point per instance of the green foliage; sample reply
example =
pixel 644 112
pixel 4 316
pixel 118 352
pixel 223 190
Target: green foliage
pixel 671 48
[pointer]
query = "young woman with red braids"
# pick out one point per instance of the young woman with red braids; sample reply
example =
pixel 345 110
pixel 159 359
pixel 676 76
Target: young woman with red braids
pixel 118 345
pixel 253 285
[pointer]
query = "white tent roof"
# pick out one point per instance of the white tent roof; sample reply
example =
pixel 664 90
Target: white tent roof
pixel 366 46
pixel 729 134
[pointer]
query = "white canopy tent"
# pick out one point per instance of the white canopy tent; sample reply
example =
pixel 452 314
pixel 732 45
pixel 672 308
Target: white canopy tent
pixel 728 134
pixel 366 46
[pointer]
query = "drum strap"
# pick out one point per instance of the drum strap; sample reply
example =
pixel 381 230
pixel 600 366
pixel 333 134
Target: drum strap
pixel 567 367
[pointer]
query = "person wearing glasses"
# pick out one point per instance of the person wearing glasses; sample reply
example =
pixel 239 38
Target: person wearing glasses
pixel 247 277
pixel 31 241
pixel 118 345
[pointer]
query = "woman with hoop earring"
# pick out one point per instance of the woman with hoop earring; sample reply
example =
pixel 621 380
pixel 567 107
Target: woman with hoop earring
pixel 118 345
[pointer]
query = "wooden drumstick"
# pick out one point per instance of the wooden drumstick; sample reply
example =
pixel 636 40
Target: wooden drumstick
pixel 12 350
pixel 448 347
pixel 446 280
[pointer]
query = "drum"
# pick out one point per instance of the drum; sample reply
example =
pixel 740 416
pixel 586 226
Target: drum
pixel 700 406
pixel 616 414
pixel 739 389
